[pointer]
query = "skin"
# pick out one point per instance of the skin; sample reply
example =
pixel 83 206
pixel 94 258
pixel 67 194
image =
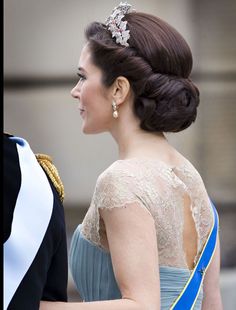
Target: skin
pixel 211 289
pixel 131 231
pixel 94 100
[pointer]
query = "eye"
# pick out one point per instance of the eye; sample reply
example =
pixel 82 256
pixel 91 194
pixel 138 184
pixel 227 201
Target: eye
pixel 81 77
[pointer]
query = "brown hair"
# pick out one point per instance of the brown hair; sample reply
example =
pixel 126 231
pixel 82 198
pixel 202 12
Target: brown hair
pixel 157 64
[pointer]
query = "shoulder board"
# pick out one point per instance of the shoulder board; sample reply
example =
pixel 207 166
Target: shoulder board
pixel 46 163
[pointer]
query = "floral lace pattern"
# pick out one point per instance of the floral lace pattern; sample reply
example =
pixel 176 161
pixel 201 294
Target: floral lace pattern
pixel 158 188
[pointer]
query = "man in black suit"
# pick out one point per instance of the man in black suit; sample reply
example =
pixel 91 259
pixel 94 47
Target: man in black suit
pixel 35 248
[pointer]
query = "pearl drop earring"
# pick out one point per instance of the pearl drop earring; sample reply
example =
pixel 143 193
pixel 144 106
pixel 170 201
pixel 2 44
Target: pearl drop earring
pixel 114 107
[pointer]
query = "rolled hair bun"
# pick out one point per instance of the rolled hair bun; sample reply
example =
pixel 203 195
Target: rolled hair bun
pixel 168 104
pixel 157 64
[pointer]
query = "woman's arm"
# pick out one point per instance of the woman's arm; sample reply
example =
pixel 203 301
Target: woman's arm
pixel 132 243
pixel 211 288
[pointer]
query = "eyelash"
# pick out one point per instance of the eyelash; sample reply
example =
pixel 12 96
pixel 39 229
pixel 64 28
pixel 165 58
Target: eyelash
pixel 81 77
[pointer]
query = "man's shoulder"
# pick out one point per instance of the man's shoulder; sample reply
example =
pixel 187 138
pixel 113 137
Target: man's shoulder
pixel 13 142
pixel 50 169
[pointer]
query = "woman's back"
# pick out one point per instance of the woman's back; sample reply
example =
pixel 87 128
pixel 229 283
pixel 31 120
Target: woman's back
pixel 182 225
pixel 175 197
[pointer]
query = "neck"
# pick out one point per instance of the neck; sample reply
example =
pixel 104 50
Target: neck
pixel 134 142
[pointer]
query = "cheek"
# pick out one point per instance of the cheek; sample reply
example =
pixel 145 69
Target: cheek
pixel 85 93
pixel 93 95
pixel 90 94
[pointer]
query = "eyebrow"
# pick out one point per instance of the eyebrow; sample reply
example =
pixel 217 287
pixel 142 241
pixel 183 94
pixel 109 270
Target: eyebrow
pixel 81 69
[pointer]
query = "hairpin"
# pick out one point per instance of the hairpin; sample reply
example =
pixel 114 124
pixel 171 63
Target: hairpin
pixel 116 26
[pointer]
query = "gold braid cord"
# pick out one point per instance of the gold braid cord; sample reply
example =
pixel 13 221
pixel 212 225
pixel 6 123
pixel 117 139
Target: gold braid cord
pixel 46 162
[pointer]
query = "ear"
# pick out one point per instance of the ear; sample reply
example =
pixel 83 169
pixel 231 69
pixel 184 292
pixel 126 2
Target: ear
pixel 121 90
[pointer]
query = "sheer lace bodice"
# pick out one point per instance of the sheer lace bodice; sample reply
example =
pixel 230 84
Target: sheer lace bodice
pixel 158 188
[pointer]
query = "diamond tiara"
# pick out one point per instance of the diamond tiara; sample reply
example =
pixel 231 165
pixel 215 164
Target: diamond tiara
pixel 116 26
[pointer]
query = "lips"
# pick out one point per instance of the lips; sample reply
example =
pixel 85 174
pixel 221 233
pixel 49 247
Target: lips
pixel 82 111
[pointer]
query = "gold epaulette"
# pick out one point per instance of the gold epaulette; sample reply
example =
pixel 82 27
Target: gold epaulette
pixel 46 162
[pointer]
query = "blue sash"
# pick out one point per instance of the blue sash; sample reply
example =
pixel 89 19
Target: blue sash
pixel 31 217
pixel 188 296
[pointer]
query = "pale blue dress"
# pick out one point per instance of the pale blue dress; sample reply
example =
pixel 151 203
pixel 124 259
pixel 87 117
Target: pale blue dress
pixel 92 271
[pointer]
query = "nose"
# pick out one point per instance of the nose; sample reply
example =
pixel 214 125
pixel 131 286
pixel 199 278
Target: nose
pixel 75 92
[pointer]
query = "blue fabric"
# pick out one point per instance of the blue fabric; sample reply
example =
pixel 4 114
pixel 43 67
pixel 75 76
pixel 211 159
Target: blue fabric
pixel 92 271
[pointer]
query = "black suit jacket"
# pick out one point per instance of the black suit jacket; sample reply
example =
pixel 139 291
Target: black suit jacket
pixel 46 278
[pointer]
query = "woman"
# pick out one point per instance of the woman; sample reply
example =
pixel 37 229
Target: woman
pixel 150 207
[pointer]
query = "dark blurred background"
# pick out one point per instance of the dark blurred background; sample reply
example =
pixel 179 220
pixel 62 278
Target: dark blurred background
pixel 42 42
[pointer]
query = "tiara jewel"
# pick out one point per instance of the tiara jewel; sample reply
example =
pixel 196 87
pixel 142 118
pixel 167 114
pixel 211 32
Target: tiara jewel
pixel 116 26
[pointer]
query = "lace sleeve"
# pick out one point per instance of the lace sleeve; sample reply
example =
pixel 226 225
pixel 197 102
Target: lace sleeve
pixel 116 188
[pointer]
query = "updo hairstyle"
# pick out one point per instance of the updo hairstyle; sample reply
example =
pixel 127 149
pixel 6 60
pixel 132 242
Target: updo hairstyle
pixel 157 63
